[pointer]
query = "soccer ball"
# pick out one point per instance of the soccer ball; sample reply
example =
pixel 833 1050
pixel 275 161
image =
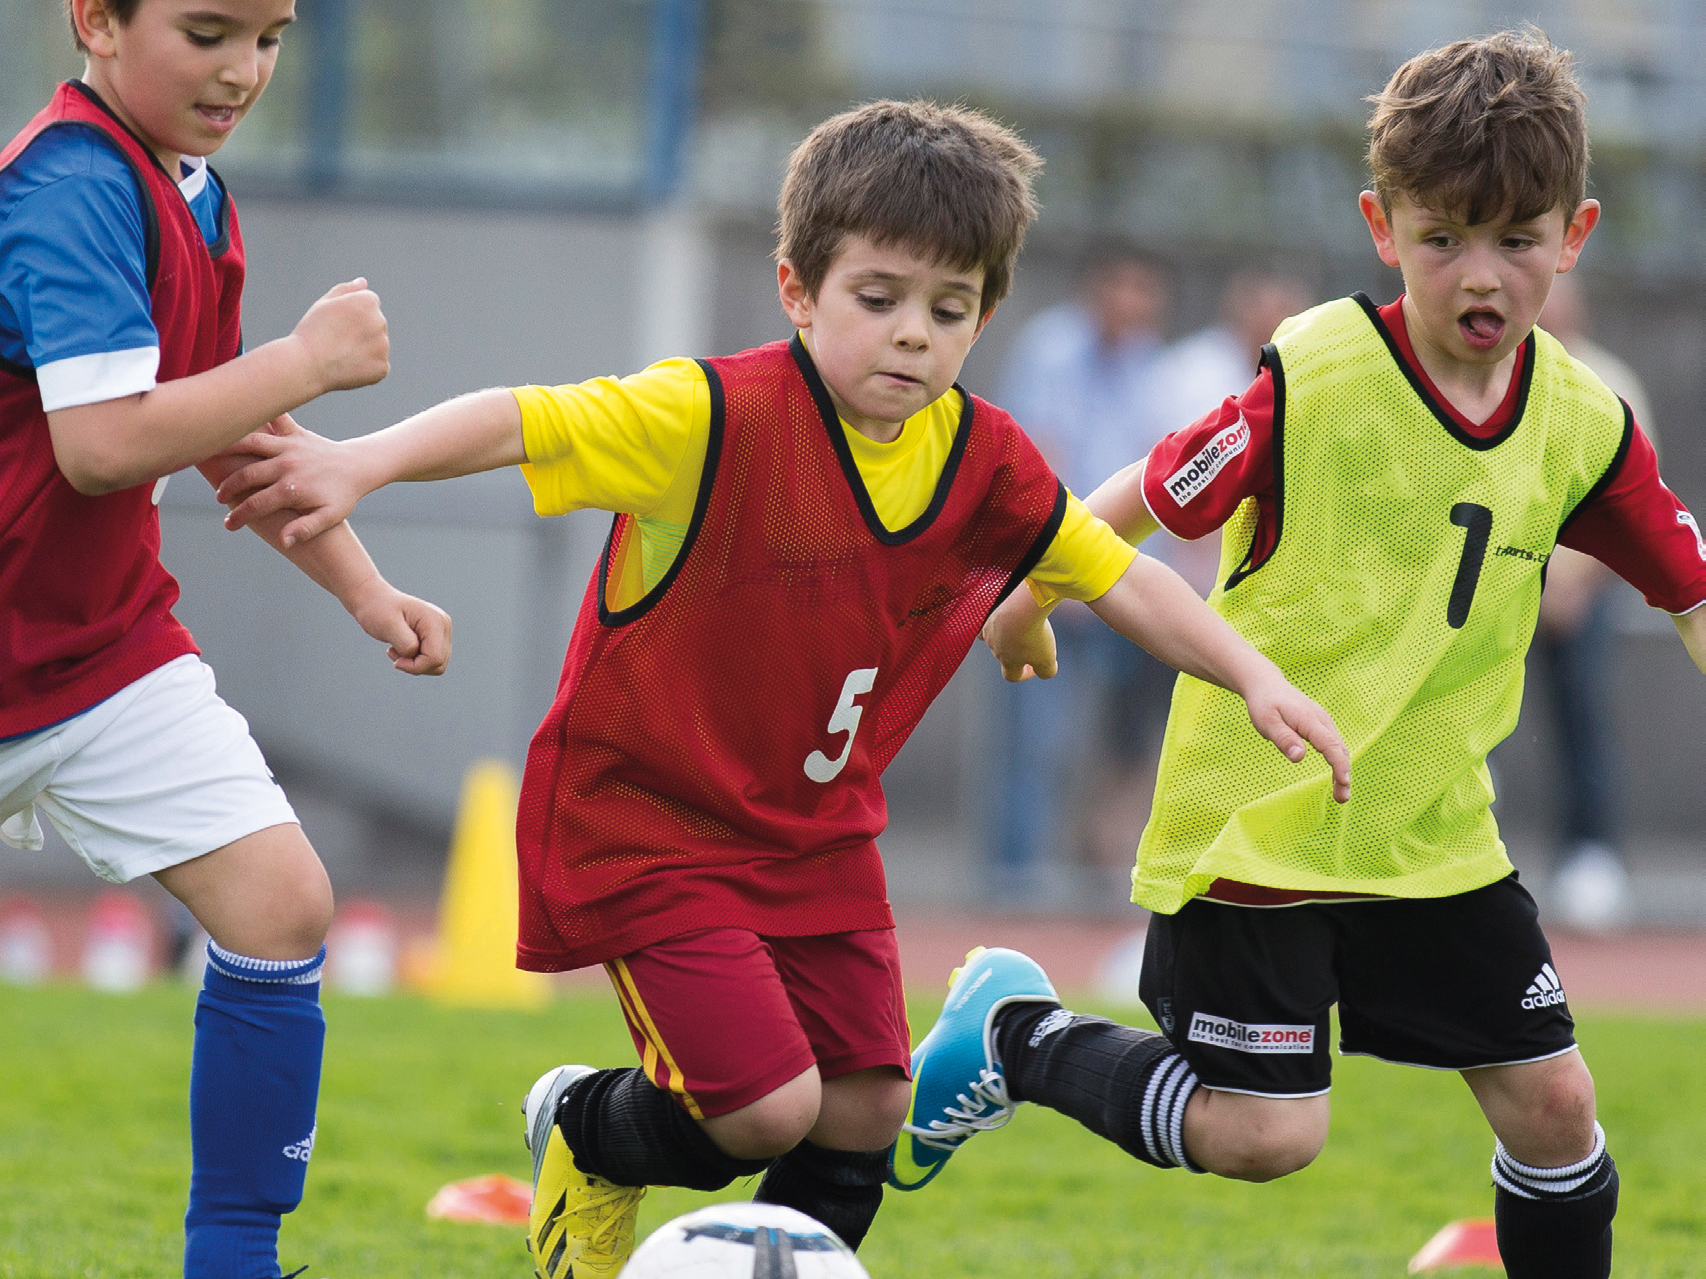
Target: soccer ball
pixel 743 1241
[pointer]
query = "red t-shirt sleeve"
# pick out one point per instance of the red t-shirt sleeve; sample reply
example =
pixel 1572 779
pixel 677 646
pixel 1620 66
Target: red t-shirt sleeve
pixel 1641 531
pixel 1194 479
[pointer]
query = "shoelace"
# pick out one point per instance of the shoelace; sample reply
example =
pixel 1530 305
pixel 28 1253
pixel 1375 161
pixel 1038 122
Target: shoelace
pixel 972 1115
pixel 605 1210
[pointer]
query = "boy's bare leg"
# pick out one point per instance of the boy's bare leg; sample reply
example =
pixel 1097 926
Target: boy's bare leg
pixel 1541 1111
pixel 1555 1184
pixel 265 895
pixel 259 1036
pixel 1254 1138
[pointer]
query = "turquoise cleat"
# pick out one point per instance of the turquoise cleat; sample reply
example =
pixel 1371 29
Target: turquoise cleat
pixel 957 1085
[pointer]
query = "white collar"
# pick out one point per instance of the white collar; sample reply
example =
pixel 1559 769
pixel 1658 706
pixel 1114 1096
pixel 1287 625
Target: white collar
pixel 193 182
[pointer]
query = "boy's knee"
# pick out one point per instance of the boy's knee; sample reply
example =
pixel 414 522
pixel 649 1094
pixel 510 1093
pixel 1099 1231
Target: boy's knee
pixel 864 1110
pixel 1266 1157
pixel 771 1126
pixel 1542 1111
pixel 1254 1138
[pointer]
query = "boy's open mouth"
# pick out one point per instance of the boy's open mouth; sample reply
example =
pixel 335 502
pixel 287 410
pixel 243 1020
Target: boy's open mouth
pixel 1481 329
pixel 218 117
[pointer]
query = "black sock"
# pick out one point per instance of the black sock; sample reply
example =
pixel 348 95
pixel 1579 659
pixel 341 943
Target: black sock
pixel 624 1128
pixel 841 1188
pixel 1121 1083
pixel 1555 1223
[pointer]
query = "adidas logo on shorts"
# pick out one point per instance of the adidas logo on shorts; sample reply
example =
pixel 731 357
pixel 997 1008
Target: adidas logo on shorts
pixel 1546 989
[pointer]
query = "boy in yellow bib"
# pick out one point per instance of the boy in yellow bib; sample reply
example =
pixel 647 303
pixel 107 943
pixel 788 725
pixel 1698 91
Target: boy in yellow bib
pixel 1390 488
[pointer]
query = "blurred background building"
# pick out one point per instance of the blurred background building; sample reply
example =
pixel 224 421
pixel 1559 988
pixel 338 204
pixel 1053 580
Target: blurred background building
pixel 548 190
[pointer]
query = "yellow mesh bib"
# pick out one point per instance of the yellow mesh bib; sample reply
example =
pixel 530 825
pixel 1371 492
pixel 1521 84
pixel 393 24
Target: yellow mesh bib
pixel 1402 595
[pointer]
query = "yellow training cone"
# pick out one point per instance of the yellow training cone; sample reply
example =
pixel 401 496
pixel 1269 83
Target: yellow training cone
pixel 475 964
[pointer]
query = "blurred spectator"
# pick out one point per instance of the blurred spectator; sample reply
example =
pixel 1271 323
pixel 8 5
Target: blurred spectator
pixel 1573 645
pixel 1200 371
pixel 1081 381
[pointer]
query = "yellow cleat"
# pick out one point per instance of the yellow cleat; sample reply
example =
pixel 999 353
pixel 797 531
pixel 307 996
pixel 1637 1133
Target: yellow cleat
pixel 580 1226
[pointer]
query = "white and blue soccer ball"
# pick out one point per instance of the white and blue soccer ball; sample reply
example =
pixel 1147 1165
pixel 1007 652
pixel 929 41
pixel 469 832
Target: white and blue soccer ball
pixel 743 1241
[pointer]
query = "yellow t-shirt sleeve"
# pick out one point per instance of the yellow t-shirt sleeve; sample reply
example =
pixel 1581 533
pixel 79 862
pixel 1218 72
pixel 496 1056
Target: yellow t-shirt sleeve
pixel 616 444
pixel 1084 561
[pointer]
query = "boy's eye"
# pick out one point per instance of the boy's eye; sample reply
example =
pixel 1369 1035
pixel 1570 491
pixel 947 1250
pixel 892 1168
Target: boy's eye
pixel 268 42
pixel 949 314
pixel 876 301
pixel 204 39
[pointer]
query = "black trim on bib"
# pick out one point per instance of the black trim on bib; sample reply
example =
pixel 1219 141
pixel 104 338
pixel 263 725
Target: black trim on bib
pixel 1271 360
pixel 1051 527
pixel 222 243
pixel 150 214
pixel 701 503
pixel 1612 468
pixel 23 372
pixel 850 469
pixel 1440 412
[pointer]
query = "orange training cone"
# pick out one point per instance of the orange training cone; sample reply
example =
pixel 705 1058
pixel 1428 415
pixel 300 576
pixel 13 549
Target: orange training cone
pixel 493 1198
pixel 475 961
pixel 1462 1243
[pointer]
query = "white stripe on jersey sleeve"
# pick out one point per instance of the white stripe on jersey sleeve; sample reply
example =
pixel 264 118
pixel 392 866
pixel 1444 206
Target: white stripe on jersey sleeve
pixel 90 379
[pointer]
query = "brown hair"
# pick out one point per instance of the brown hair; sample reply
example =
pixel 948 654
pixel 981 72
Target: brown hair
pixel 122 11
pixel 1483 129
pixel 947 181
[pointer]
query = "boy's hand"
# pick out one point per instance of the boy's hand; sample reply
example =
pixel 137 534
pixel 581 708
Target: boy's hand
pixel 294 469
pixel 1019 635
pixel 417 633
pixel 344 334
pixel 1024 651
pixel 1294 723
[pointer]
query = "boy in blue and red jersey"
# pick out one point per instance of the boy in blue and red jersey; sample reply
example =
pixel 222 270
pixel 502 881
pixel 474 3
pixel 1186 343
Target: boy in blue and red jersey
pixel 121 276
pixel 810 535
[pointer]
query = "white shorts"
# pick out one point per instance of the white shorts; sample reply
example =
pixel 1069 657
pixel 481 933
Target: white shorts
pixel 159 773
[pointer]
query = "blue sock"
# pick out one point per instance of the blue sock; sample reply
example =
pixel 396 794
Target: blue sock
pixel 254 1080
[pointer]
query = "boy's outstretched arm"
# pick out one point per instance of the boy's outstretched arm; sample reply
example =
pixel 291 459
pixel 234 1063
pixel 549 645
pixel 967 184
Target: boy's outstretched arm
pixel 1018 632
pixel 312 484
pixel 1692 627
pixel 1154 607
pixel 341 343
pixel 416 633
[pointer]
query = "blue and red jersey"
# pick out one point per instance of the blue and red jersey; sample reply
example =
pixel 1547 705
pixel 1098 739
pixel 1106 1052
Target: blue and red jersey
pixel 114 275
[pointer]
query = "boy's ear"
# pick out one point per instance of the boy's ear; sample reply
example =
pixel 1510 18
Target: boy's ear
pixel 1581 225
pixel 1379 226
pixel 983 320
pixel 796 298
pixel 94 23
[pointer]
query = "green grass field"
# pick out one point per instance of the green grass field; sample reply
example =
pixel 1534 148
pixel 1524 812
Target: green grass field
pixel 94 1161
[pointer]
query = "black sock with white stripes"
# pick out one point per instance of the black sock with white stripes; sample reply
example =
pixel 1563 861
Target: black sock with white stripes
pixel 624 1128
pixel 1121 1083
pixel 1555 1223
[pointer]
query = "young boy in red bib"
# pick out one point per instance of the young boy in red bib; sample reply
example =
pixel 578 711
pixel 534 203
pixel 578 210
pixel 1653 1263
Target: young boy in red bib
pixel 121 279
pixel 810 536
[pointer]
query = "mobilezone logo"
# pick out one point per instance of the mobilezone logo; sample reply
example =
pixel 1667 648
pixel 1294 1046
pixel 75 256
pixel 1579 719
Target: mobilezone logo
pixel 1194 476
pixel 1223 1032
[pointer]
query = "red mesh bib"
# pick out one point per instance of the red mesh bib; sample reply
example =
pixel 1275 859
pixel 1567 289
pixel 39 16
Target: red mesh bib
pixel 88 605
pixel 712 758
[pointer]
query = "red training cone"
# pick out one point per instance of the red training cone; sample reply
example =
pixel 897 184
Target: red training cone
pixel 494 1198
pixel 1462 1243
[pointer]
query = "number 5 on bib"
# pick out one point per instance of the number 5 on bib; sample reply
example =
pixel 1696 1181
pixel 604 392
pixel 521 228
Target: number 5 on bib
pixel 820 767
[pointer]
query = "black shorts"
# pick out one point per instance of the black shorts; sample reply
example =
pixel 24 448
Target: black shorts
pixel 1448 983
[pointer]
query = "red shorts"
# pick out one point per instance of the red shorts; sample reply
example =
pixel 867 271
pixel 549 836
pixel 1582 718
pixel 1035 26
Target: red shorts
pixel 723 1017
